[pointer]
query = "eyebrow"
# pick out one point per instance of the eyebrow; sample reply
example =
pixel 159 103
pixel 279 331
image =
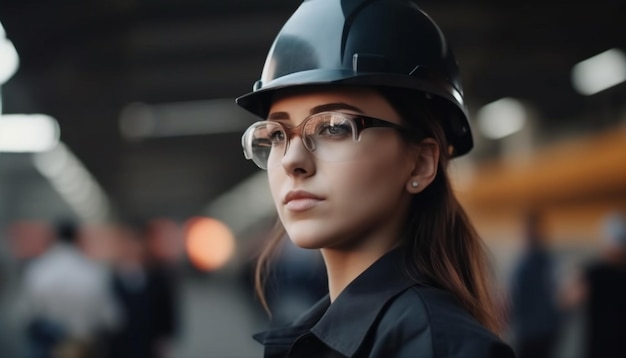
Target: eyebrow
pixel 317 109
pixel 334 107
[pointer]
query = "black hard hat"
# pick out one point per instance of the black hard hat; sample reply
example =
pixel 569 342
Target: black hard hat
pixel 381 43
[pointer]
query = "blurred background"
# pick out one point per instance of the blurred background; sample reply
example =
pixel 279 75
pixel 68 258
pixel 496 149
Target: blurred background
pixel 123 184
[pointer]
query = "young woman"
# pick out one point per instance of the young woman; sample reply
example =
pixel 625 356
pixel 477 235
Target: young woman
pixel 362 111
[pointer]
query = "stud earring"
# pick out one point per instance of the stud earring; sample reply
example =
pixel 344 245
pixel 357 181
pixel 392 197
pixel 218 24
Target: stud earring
pixel 415 184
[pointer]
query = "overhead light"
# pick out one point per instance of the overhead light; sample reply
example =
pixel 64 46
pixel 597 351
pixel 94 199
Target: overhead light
pixel 9 60
pixel 69 177
pixel 501 118
pixel 599 72
pixel 25 133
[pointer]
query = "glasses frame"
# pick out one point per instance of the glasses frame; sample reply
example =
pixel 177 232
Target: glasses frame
pixel 361 122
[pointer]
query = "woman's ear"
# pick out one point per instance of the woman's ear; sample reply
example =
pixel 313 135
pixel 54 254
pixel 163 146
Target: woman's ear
pixel 425 163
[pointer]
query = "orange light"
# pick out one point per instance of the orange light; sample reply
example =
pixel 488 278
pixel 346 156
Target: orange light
pixel 210 244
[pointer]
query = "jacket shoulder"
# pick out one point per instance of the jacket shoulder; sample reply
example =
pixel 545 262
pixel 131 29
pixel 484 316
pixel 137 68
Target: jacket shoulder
pixel 456 333
pixel 430 322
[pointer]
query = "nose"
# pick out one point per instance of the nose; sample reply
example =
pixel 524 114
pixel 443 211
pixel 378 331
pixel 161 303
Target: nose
pixel 298 161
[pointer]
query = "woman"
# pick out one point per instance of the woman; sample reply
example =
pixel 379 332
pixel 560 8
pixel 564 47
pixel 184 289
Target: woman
pixel 362 110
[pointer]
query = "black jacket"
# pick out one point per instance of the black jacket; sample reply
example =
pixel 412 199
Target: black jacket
pixel 384 314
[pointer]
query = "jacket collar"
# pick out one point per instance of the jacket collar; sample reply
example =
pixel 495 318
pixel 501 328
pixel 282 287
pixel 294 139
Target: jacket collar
pixel 344 324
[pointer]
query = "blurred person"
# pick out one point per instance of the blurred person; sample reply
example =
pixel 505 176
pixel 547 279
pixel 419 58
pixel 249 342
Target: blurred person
pixel 65 299
pixel 361 111
pixel 146 295
pixel 600 291
pixel 535 313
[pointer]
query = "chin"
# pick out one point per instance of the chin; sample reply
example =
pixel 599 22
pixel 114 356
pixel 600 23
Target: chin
pixel 308 235
pixel 306 244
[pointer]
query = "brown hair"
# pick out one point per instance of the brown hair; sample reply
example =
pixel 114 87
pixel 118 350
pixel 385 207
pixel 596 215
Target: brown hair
pixel 440 242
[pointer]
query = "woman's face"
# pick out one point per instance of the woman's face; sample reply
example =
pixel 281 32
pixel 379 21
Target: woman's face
pixel 326 203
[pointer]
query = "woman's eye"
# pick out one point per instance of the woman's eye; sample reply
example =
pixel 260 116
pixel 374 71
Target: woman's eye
pixel 334 130
pixel 277 136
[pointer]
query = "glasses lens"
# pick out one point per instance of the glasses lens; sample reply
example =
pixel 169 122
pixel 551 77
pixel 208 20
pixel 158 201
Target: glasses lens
pixel 264 138
pixel 331 136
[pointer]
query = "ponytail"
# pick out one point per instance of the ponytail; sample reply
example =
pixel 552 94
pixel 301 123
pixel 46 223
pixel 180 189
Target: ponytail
pixel 443 245
pixel 440 242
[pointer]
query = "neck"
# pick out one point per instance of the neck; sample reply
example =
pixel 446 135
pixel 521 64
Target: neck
pixel 343 266
pixel 346 262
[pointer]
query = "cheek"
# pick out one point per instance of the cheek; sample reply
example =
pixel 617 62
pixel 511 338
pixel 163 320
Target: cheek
pixel 377 166
pixel 367 186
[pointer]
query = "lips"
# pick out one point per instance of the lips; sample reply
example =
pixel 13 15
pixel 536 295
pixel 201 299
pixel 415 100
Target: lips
pixel 300 194
pixel 301 200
